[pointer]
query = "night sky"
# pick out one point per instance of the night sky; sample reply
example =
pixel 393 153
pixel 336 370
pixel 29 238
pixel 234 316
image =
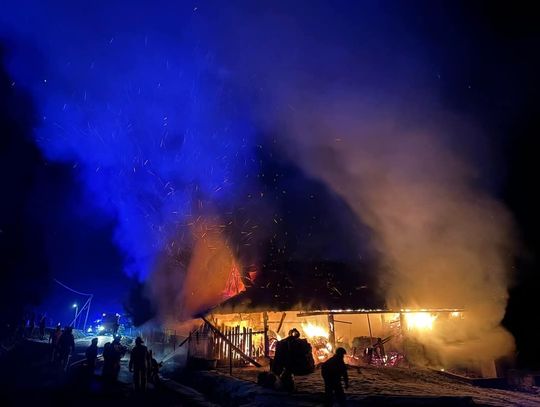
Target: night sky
pixel 116 118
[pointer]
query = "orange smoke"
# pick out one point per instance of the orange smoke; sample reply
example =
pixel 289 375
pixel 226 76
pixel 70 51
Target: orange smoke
pixel 444 241
pixel 212 271
pixel 207 275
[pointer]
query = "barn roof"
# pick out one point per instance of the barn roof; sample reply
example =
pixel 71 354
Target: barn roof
pixel 308 287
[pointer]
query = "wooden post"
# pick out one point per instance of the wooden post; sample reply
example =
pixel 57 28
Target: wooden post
pixel 266 343
pixel 332 331
pixel 235 337
pixel 403 329
pixel 402 323
pixel 369 327
pixel 225 343
pixel 221 354
pixel 230 360
pixel 244 341
pixel 250 342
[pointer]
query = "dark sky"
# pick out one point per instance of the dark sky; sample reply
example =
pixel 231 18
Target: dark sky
pixel 137 77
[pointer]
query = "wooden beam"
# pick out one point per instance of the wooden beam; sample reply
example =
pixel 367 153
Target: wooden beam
pixel 254 333
pixel 370 334
pixel 266 341
pixel 281 322
pixel 377 311
pixel 231 345
pixel 332 329
pixel 184 341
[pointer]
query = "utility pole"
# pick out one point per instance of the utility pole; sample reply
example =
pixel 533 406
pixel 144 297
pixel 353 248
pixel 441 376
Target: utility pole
pixel 85 307
pixel 76 306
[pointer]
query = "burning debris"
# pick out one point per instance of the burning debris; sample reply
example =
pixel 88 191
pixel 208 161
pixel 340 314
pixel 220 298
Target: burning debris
pixel 371 333
pixel 371 337
pixel 256 319
pixel 319 337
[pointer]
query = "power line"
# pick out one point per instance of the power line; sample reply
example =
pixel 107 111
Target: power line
pixel 85 306
pixel 71 289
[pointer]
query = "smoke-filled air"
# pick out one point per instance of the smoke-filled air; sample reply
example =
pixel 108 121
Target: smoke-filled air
pixel 445 243
pixel 176 117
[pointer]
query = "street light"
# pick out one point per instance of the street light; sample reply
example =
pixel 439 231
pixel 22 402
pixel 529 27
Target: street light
pixel 76 306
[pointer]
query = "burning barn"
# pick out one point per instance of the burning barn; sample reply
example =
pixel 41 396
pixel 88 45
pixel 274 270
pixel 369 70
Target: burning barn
pixel 328 311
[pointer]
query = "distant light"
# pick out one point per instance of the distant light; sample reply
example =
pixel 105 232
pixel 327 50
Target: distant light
pixel 103 314
pixel 89 329
pixel 74 305
pixel 100 328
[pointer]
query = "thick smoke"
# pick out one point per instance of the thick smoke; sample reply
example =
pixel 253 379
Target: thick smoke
pixel 159 110
pixel 146 120
pixel 363 110
pixel 445 242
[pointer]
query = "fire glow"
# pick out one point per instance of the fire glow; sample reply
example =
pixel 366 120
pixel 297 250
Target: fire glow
pixel 312 331
pixel 421 321
pixel 318 337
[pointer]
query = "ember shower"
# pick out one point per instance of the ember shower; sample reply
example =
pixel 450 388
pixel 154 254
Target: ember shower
pixel 161 109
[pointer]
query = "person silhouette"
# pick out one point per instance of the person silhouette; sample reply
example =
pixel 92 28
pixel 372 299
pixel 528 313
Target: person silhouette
pixel 332 371
pixel 139 364
pixel 91 355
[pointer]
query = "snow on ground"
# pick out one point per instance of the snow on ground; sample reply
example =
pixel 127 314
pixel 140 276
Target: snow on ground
pixel 405 382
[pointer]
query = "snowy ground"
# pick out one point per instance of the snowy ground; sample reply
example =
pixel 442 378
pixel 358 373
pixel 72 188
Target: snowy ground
pixel 369 386
pixel 406 382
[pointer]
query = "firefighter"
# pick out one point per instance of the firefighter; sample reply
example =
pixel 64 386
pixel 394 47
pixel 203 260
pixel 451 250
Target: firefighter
pixel 289 356
pixel 138 364
pixel 332 371
pixel 31 324
pixel 91 355
pixel 42 323
pixel 116 325
pixel 112 354
pixel 66 346
pixel 54 338
pixel 107 362
pixel 153 369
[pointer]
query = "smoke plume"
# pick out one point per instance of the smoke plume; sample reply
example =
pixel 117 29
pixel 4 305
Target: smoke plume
pixel 160 112
pixel 445 242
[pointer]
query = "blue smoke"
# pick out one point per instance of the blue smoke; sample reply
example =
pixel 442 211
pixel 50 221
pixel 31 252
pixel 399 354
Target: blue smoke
pixel 149 123
pixel 160 108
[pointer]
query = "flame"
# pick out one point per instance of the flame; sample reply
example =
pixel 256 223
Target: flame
pixel 234 284
pixel 312 330
pixel 319 336
pixel 422 321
